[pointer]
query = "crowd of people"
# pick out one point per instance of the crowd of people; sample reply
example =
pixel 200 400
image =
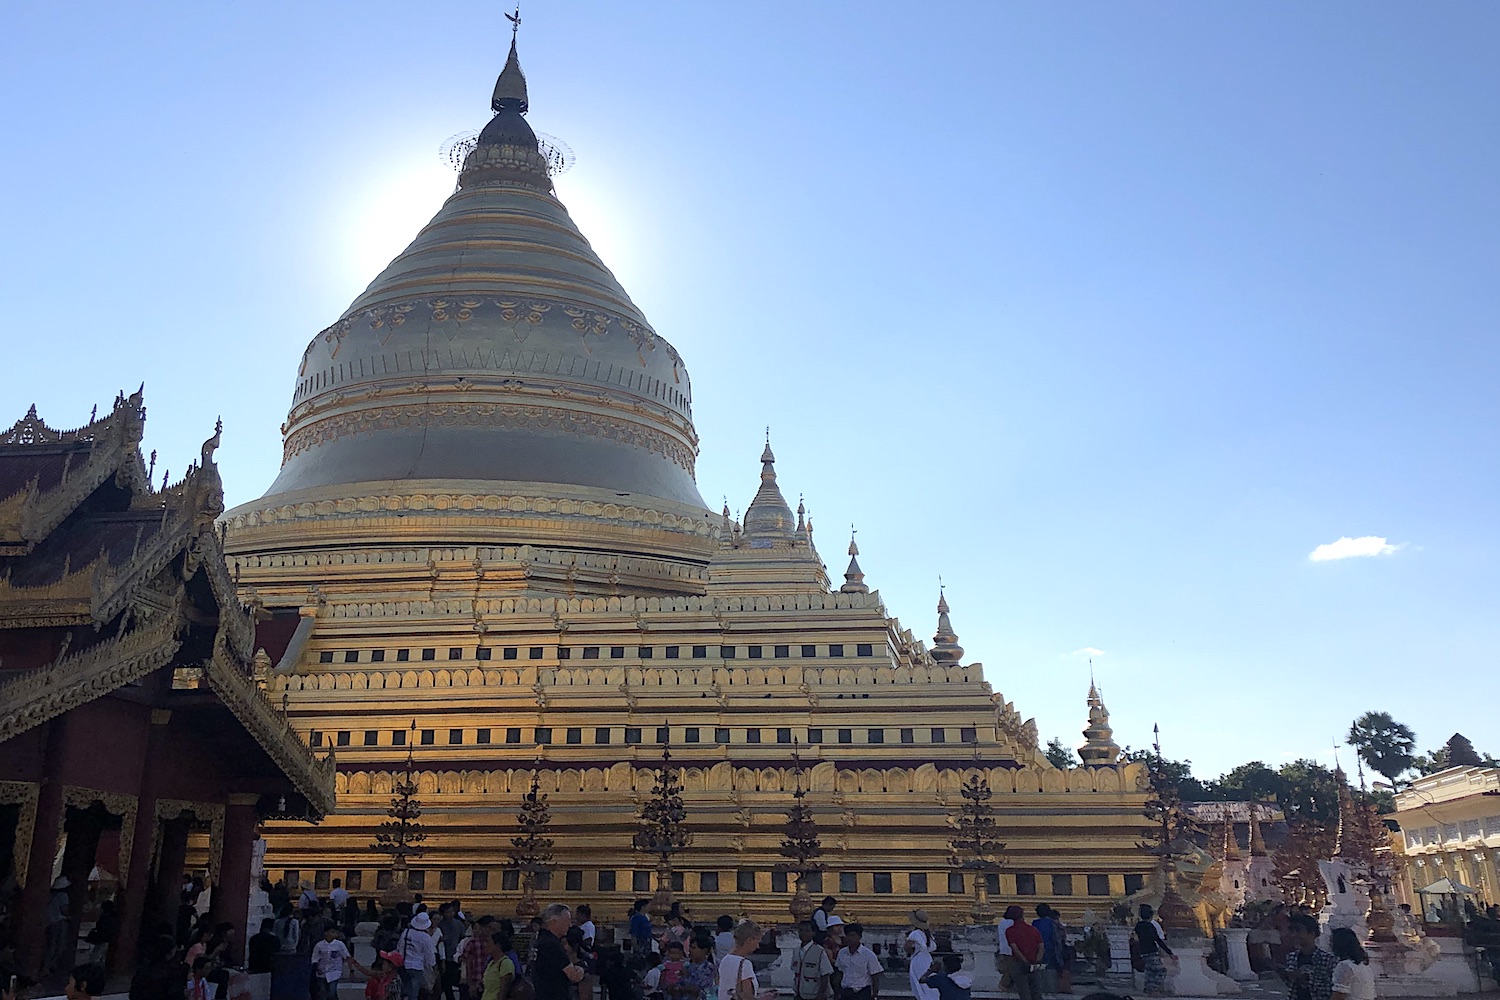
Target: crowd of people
pixel 421 952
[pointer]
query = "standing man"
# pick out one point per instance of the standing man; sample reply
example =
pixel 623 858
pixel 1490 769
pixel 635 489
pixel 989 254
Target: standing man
pixel 1309 969
pixel 554 972
pixel 1026 954
pixel 812 970
pixel 474 955
pixel 450 933
pixel 860 967
pixel 339 896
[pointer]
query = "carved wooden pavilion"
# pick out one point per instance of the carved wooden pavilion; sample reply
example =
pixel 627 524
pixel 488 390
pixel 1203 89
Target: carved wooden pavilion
pixel 134 738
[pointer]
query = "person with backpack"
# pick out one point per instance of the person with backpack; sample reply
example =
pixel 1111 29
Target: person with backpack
pixel 418 953
pixel 499 980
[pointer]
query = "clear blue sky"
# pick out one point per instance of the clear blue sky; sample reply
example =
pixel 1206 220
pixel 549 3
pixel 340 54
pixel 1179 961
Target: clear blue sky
pixel 1110 314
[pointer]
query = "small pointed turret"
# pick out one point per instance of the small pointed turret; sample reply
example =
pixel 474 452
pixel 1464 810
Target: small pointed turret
pixel 768 519
pixel 1099 746
pixel 1257 842
pixel 854 577
pixel 945 647
pixel 1231 845
pixel 510 86
pixel 1344 834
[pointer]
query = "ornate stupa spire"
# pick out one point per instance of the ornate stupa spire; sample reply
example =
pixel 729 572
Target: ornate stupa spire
pixel 510 87
pixel 1341 838
pixel 945 647
pixel 854 577
pixel 768 519
pixel 1099 746
pixel 1231 845
pixel 1257 842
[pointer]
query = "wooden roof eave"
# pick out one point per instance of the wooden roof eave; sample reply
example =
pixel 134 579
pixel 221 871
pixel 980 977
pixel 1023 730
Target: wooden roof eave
pixel 38 696
pixel 231 680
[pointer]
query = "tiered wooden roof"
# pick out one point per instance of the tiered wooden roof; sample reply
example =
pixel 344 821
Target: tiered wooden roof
pixel 104 581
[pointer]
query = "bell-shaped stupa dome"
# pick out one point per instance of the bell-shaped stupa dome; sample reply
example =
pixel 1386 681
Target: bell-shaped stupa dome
pixel 496 349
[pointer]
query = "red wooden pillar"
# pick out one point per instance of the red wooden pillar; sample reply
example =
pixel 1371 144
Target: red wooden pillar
pixel 231 897
pixel 31 915
pixel 137 890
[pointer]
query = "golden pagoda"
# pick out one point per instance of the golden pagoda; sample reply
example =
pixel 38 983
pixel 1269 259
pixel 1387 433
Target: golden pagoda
pixel 487 524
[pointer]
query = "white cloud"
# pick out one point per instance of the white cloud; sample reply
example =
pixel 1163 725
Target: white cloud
pixel 1088 651
pixel 1349 548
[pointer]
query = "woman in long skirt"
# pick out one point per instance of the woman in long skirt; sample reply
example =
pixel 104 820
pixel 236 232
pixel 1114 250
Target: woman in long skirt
pixel 919 946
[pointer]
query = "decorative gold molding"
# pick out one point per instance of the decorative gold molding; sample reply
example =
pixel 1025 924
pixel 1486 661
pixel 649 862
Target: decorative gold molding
pixel 490 416
pixel 211 813
pixel 24 794
pixel 479 504
pixel 123 806
pixel 40 695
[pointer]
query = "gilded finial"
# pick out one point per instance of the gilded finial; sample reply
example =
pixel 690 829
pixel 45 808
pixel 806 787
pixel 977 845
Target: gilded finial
pixel 854 577
pixel 945 647
pixel 510 88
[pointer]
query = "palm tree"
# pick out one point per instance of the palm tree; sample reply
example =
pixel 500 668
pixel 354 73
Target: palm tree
pixel 1385 744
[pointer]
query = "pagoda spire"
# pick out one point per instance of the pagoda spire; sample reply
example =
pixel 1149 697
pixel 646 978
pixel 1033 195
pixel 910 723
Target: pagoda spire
pixel 768 517
pixel 945 647
pixel 1231 845
pixel 1257 842
pixel 1099 747
pixel 510 88
pixel 1344 834
pixel 854 577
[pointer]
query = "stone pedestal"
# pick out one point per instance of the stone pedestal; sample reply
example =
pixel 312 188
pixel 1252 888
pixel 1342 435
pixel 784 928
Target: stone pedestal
pixel 1194 979
pixel 782 973
pixel 1119 949
pixel 977 945
pixel 1239 953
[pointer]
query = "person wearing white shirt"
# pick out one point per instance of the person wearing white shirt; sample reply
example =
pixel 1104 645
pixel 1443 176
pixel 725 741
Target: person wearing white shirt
pixel 1005 955
pixel 919 945
pixel 723 937
pixel 823 912
pixel 860 967
pixel 418 950
pixel 330 956
pixel 338 895
pixel 737 980
pixel 1353 979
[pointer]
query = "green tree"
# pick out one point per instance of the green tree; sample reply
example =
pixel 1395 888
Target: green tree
pixel 1385 744
pixel 1179 773
pixel 1060 755
pixel 1252 782
pixel 1312 792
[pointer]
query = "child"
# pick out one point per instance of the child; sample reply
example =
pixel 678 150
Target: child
pixel 380 977
pixel 329 958
pixel 652 978
pixel 198 986
pixel 950 983
pixel 672 966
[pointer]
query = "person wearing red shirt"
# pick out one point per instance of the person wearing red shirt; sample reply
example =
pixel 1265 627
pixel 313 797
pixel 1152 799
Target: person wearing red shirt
pixel 1026 947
